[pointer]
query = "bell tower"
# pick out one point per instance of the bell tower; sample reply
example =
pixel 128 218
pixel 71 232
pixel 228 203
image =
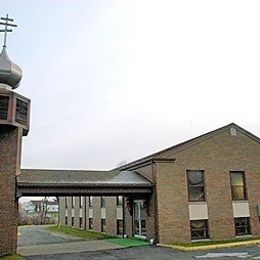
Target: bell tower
pixel 14 124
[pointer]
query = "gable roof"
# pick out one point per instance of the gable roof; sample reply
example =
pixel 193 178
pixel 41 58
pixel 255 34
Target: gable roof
pixel 184 144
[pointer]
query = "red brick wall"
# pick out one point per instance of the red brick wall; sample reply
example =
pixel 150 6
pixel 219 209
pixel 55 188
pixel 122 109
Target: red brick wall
pixel 10 147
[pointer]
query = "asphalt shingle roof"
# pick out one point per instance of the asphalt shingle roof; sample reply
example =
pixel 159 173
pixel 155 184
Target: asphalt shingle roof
pixel 70 177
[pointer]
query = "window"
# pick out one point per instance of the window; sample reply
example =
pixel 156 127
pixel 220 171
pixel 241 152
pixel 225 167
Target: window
pixel 21 111
pixel 103 202
pixel 73 199
pixel 103 225
pixel 238 188
pixel 80 222
pixel 66 202
pixel 242 226
pixel 196 188
pixel 4 107
pixel 90 201
pixel 199 229
pixel 90 223
pixel 119 200
pixel 66 220
pixel 120 227
pixel 81 199
pixel 72 221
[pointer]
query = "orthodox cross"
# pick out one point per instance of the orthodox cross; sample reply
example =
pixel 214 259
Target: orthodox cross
pixel 6 24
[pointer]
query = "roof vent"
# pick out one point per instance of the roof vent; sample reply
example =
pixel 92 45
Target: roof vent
pixel 233 131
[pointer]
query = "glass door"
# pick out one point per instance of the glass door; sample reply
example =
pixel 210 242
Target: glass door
pixel 140 218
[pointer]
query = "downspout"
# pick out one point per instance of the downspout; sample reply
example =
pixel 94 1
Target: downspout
pixel 123 216
pixel 85 224
pixel 157 237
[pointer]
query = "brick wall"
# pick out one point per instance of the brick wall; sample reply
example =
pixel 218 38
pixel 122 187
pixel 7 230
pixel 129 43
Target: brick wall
pixel 216 156
pixel 10 147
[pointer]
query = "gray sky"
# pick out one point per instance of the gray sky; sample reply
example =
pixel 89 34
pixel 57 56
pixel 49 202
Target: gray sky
pixel 118 80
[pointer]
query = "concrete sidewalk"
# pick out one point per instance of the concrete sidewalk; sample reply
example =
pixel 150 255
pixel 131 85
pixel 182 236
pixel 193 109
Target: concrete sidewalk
pixel 69 247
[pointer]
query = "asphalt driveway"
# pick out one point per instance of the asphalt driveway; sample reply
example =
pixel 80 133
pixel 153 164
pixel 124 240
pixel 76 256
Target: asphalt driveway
pixel 37 243
pixel 38 235
pixel 36 240
pixel 156 253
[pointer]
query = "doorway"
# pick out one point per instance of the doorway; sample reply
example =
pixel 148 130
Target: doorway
pixel 140 214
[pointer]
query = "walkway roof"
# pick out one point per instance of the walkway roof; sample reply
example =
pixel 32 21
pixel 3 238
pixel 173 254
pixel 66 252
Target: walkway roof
pixel 69 182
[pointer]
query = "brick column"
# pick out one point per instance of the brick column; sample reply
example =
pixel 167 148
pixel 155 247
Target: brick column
pixel 10 154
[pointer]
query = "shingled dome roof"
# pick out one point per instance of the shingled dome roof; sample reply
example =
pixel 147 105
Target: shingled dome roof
pixel 10 73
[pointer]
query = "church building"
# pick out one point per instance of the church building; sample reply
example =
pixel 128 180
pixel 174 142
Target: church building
pixel 207 188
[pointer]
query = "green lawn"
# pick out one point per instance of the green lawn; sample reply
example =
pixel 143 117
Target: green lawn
pixel 77 232
pixel 91 235
pixel 11 257
pixel 128 242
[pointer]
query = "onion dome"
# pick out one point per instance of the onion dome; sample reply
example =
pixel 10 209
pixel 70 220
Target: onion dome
pixel 10 73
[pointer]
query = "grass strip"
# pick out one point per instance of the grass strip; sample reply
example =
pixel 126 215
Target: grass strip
pixel 77 232
pixel 128 242
pixel 12 257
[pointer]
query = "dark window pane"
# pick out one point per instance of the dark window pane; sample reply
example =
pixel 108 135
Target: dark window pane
pixel 242 226
pixel 80 222
pixel 103 202
pixel 103 225
pixel 4 107
pixel 90 225
pixel 199 229
pixel 120 227
pixel 196 185
pixel 21 111
pixel 196 194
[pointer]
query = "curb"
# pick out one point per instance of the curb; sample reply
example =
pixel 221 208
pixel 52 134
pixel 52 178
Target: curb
pixel 211 247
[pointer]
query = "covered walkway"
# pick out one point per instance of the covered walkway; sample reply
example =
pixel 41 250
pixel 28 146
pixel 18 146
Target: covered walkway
pixel 38 182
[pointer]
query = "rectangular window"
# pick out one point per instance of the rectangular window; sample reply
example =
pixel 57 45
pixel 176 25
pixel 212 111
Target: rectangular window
pixel 103 225
pixel 66 220
pixel 81 199
pixel 21 111
pixel 90 223
pixel 4 107
pixel 103 202
pixel 80 222
pixel 199 229
pixel 73 201
pixel 242 226
pixel 72 221
pixel 90 201
pixel 119 200
pixel 196 187
pixel 120 227
pixel 238 188
pixel 66 202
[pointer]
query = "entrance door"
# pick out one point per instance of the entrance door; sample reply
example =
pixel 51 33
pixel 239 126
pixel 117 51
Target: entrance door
pixel 140 218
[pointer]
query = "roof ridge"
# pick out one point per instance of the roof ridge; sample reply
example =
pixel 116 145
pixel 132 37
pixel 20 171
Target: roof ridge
pixel 194 139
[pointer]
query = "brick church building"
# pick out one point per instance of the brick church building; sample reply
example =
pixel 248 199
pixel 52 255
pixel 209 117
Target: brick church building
pixel 205 188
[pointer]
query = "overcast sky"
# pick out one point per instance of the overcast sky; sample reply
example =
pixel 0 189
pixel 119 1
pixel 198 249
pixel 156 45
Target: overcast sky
pixel 113 81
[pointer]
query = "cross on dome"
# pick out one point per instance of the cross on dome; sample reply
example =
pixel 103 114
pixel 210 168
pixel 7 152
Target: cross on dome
pixel 10 73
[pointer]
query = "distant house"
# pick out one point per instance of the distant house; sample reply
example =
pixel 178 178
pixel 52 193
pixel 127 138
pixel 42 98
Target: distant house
pixel 34 206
